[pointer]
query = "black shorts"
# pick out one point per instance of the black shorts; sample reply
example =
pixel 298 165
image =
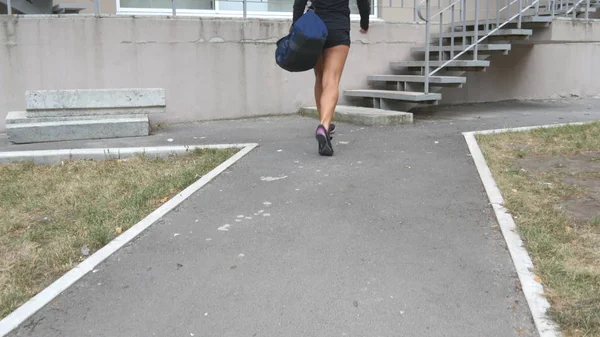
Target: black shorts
pixel 337 37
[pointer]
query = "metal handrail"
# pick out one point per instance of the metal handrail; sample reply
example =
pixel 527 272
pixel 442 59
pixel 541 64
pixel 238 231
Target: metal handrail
pixel 420 15
pixel 474 45
pixel 484 37
pixel 575 6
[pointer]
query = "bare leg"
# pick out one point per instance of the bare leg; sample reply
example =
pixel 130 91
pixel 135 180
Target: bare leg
pixel 334 60
pixel 319 83
pixel 328 73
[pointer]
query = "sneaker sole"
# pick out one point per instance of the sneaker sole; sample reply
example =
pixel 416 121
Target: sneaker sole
pixel 324 149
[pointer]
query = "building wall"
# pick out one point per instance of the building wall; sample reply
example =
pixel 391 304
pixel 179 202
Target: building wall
pixel 210 68
pixel 389 10
pixel 224 68
pixel 106 6
pixel 558 61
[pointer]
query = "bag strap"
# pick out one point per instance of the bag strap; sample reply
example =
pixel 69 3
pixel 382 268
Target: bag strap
pixel 309 6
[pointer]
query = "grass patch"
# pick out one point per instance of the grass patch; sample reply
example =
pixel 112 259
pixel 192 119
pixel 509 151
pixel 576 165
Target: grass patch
pixel 550 182
pixel 52 216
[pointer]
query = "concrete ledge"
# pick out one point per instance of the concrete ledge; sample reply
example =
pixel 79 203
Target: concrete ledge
pixel 363 116
pixel 86 99
pixel 21 117
pixel 21 133
pixel 56 156
pixel 94 112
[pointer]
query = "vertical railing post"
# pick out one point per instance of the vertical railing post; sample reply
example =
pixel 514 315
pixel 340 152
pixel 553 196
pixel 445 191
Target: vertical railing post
pixel 97 7
pixel 245 8
pixel 441 41
pixel 464 24
pixel 587 9
pixel 174 7
pixel 414 9
pixel 452 30
pixel 487 16
pixel 520 14
pixel 498 13
pixel 9 7
pixel 427 37
pixel 476 29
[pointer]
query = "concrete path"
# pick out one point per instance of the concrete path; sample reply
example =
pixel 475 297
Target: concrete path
pixel 393 236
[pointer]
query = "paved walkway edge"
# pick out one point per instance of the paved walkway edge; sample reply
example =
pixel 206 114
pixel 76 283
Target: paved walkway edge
pixel 55 156
pixel 40 300
pixel 532 289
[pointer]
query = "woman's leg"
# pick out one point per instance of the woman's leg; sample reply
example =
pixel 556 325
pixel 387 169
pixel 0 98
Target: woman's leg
pixel 319 83
pixel 330 70
pixel 334 60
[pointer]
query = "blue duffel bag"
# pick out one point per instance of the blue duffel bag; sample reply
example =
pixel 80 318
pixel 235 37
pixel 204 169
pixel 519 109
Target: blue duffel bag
pixel 301 48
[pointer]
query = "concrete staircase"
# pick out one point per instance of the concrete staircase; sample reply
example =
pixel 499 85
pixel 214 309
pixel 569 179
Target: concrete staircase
pixel 62 115
pixel 39 7
pixel 452 54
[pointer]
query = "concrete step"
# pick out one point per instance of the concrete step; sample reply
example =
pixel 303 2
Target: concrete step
pixel 68 8
pixel 54 103
pixel 579 10
pixel 515 33
pixel 417 79
pixel 504 47
pixel 569 4
pixel 454 65
pixel 409 96
pixel 29 6
pixel 363 116
pixel 525 19
pixel 17 117
pixel 34 131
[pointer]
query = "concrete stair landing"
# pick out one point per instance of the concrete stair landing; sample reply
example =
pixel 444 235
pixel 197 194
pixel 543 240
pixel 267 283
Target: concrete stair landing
pixel 363 116
pixel 63 115
pixel 21 129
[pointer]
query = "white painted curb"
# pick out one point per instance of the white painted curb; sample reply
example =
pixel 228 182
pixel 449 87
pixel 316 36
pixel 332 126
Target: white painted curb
pixel 53 156
pixel 36 303
pixel 533 290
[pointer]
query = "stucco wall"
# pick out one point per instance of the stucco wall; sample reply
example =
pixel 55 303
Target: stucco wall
pixel 210 68
pixel 224 68
pixel 558 61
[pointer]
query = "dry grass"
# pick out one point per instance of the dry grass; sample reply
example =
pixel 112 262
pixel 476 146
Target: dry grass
pixel 50 215
pixel 565 248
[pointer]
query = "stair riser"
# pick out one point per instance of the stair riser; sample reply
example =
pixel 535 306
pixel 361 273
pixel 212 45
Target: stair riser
pixel 492 25
pixel 467 56
pixel 364 116
pixel 410 85
pixel 393 95
pixel 64 131
pixel 568 6
pixel 91 99
pixel 415 86
pixel 421 69
pixel 20 117
pixel 470 40
pixel 469 53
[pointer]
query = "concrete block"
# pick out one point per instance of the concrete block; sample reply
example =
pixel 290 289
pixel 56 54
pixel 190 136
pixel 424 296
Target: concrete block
pixel 28 132
pixel 94 112
pixel 364 116
pixel 18 117
pixel 68 8
pixel 79 102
